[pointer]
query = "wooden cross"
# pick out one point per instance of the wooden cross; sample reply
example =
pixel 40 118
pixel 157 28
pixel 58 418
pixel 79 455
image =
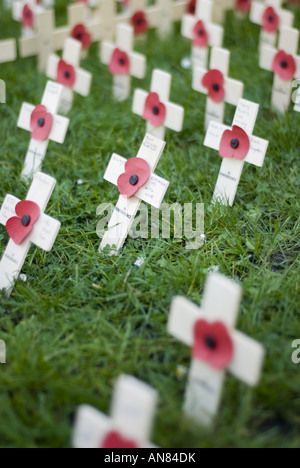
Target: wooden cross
pixel 220 8
pixel 203 33
pixel 271 18
pixel 150 189
pixel 103 24
pixel 8 50
pixel 156 108
pixel 285 64
pixel 67 72
pixel 236 146
pixel 217 86
pixel 122 61
pixel 43 234
pixel 216 346
pixel 129 426
pixel 57 129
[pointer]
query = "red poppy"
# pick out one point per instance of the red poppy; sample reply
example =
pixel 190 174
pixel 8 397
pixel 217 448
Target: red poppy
pixel 284 65
pixel 137 173
pixel 154 110
pixel 270 20
pixel 191 7
pixel 114 440
pixel 40 123
pixel 235 143
pixel 119 63
pixel 82 35
pixel 200 35
pixel 243 5
pixel 213 80
pixel 212 344
pixel 27 17
pixel 66 74
pixel 20 226
pixel 81 1
pixel 139 22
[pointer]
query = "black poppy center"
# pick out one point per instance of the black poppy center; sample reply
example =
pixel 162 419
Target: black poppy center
pixel 284 64
pixel 210 342
pixel 121 61
pixel 79 36
pixel 234 143
pixel 133 179
pixel 67 74
pixel 155 110
pixel 200 32
pixel 41 122
pixel 25 220
pixel 28 14
pixel 139 21
pixel 270 18
pixel 216 87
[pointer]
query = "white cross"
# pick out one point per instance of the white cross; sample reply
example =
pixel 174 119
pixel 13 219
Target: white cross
pixel 8 50
pixel 234 89
pixel 137 62
pixel 231 168
pixel 220 8
pixel 37 149
pixel 161 85
pixel 220 303
pixel 152 192
pixel 215 32
pixel 102 25
pixel 43 235
pixel 258 9
pixel 83 79
pixel 288 42
pixel 132 413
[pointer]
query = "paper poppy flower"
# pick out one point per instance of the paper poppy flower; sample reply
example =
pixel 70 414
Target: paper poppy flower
pixel 270 20
pixel 114 440
pixel 66 74
pixel 139 22
pixel 191 7
pixel 200 35
pixel 243 5
pixel 154 110
pixel 40 123
pixel 212 344
pixel 82 35
pixel 20 226
pixel 27 17
pixel 284 65
pixel 119 63
pixel 213 81
pixel 137 173
pixel 235 143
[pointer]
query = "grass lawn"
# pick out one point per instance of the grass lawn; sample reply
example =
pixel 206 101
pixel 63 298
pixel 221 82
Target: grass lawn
pixel 80 320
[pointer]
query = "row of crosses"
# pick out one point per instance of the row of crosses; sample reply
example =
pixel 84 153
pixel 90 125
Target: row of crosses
pixel 216 347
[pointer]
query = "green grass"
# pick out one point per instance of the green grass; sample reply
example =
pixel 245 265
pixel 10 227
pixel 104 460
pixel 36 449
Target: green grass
pixel 68 340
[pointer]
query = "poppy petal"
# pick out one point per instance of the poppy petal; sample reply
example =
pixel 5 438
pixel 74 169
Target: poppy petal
pixel 27 17
pixel 119 63
pixel 243 5
pixel 284 65
pixel 200 35
pixel 191 7
pixel 270 20
pixel 136 175
pixel 213 80
pixel 139 22
pixel 41 123
pixel 234 143
pixel 20 226
pixel 154 110
pixel 82 35
pixel 66 74
pixel 114 440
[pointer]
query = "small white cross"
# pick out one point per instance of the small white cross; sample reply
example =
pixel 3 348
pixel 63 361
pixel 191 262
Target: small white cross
pixel 282 88
pixel 216 346
pixel 103 23
pixel 130 424
pixel 82 79
pixel 152 192
pixel 201 27
pixel 260 10
pixel 136 62
pixel 37 149
pixel 234 89
pixel 43 234
pixel 231 168
pixel 8 50
pixel 174 114
pixel 18 11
